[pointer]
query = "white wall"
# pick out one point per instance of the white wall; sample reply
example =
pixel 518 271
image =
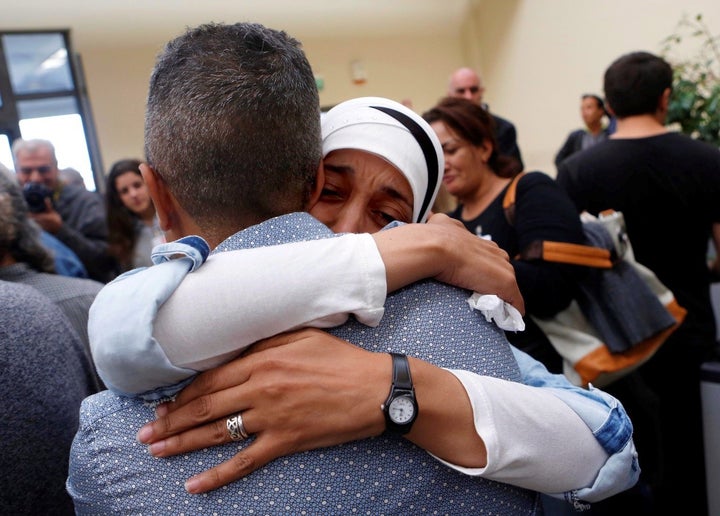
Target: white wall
pixel 117 81
pixel 414 68
pixel 398 68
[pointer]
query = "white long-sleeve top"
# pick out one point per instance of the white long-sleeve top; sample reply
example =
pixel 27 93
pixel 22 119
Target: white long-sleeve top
pixel 529 430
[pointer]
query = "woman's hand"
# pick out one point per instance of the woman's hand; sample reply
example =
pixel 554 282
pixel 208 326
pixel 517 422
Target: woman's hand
pixel 477 264
pixel 296 392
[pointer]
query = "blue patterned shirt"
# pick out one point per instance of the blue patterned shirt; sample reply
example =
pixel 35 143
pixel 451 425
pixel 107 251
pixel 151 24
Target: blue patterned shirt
pixel 111 472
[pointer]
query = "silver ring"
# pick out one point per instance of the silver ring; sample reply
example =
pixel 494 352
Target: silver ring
pixel 236 428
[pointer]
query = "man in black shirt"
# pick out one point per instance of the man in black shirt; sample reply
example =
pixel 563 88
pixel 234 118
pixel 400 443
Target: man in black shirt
pixel 668 186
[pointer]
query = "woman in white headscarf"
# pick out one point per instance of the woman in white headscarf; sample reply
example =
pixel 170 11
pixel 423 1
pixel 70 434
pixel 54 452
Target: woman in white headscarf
pixel 382 163
pixel 389 139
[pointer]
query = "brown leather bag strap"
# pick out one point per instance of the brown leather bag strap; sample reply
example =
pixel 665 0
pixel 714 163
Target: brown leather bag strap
pixel 509 199
pixel 551 251
pixel 564 252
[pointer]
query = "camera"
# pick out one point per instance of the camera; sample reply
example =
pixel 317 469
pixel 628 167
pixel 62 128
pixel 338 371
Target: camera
pixel 35 195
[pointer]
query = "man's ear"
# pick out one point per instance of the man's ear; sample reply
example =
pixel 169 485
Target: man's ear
pixel 317 187
pixel 162 198
pixel 664 103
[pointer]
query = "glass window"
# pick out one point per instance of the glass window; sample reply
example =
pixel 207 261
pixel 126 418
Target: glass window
pixel 41 79
pixel 6 152
pixel 68 136
pixel 37 63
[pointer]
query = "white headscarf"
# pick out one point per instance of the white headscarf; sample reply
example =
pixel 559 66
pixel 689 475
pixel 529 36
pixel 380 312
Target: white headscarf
pixel 395 133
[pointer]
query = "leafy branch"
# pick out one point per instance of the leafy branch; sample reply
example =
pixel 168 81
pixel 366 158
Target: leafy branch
pixel 695 102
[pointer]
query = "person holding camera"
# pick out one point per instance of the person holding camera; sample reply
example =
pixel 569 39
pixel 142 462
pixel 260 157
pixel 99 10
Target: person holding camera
pixel 72 214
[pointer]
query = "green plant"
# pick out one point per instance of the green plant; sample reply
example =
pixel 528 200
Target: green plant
pixel 695 101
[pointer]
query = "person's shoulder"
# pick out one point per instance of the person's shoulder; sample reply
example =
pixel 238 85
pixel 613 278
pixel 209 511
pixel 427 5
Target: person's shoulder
pixel 69 192
pixel 590 155
pixel 283 229
pixel 30 315
pixel 696 145
pixel 72 193
pixel 578 163
pixel 535 177
pixel 501 122
pixel 539 186
pixel 71 286
pixel 18 295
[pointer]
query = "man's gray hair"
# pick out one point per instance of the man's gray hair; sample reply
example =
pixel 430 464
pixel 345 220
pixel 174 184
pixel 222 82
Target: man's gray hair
pixel 233 123
pixel 33 145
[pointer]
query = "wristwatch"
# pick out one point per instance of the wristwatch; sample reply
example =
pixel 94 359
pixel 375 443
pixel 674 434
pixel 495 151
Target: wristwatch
pixel 400 408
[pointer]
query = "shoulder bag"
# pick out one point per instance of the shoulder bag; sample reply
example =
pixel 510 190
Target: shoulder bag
pixel 622 314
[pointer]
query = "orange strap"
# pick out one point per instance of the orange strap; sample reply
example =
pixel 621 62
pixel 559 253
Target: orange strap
pixel 563 252
pixel 509 199
pixel 550 251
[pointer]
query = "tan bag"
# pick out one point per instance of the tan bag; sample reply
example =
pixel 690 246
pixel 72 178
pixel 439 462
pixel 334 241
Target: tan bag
pixel 582 344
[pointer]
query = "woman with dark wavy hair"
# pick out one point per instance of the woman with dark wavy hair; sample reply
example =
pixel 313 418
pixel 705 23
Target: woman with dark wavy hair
pixel 132 223
pixel 478 177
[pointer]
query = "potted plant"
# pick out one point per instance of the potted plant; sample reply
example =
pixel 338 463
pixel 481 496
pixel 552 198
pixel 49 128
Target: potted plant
pixel 695 103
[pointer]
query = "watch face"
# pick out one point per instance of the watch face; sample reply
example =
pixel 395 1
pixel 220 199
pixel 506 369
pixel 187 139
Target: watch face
pixel 401 410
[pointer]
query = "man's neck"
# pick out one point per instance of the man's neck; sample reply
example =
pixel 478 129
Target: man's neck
pixel 595 128
pixel 639 126
pixel 215 235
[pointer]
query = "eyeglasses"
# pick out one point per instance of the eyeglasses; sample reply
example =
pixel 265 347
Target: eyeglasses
pixel 42 169
pixel 471 89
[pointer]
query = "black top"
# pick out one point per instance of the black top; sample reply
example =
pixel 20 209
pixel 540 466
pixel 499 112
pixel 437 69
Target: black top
pixel 543 212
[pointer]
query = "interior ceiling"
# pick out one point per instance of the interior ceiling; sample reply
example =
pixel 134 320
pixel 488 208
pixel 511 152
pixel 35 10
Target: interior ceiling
pixel 153 22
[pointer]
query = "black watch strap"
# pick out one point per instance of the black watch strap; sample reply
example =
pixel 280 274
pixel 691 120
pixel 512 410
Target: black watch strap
pixel 401 391
pixel 401 372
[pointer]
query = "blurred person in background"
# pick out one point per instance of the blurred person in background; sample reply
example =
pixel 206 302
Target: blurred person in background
pixel 45 376
pixel 67 211
pixel 132 222
pixel 24 259
pixel 592 110
pixel 466 83
pixel 667 186
pixel 66 261
pixel 478 175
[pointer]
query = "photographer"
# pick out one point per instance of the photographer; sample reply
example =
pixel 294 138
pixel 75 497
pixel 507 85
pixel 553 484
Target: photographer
pixel 74 215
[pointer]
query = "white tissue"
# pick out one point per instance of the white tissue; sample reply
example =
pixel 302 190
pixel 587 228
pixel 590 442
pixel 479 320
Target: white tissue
pixel 505 315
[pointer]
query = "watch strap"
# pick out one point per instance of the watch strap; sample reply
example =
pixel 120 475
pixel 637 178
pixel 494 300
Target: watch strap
pixel 401 372
pixel 402 386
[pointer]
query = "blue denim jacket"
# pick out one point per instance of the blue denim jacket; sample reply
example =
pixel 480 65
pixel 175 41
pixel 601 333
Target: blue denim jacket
pixel 137 365
pixel 142 365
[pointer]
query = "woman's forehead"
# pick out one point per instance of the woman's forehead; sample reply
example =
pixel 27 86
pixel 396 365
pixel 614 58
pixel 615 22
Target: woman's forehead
pixel 364 165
